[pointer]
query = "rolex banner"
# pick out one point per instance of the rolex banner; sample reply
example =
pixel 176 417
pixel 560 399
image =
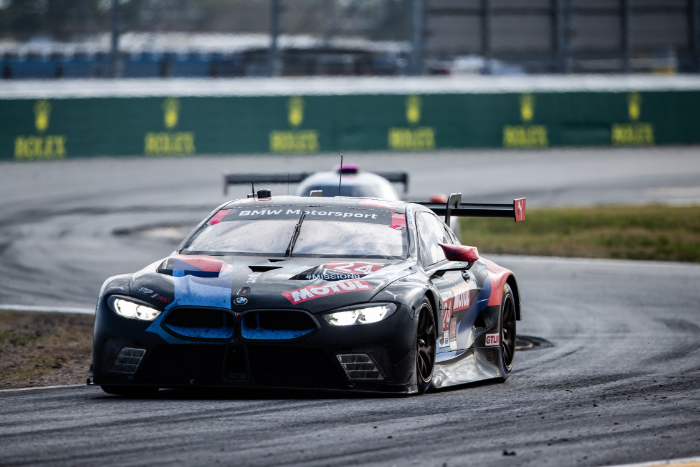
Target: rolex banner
pixel 37 129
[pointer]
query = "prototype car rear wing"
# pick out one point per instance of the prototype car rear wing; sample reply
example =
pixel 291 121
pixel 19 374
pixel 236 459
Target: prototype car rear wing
pixel 247 179
pixel 455 207
pixel 281 178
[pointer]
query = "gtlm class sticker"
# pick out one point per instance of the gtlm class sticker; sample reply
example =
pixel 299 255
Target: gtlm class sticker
pixel 493 340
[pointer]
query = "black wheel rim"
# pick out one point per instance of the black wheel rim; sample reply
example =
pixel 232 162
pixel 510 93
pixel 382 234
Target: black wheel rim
pixel 508 332
pixel 425 359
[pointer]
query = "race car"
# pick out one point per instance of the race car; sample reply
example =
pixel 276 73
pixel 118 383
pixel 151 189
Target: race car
pixel 355 182
pixel 343 293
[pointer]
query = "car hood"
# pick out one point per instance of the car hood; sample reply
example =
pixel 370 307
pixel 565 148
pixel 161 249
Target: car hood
pixel 241 283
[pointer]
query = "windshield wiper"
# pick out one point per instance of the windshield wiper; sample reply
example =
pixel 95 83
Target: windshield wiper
pixel 295 235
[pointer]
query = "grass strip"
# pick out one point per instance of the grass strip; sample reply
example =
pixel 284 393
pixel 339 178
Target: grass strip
pixel 650 232
pixel 44 349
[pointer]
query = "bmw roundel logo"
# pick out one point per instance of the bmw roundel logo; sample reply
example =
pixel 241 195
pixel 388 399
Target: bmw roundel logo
pixel 240 301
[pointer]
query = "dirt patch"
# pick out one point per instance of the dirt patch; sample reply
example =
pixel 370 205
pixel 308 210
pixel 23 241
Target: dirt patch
pixel 44 349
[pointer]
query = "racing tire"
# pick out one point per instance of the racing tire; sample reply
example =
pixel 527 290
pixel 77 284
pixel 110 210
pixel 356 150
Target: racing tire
pixel 425 346
pixel 137 392
pixel 507 332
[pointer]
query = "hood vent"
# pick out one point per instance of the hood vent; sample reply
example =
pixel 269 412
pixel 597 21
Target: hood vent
pixel 263 267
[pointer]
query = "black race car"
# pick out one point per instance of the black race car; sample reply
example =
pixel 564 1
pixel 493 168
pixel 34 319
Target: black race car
pixel 352 294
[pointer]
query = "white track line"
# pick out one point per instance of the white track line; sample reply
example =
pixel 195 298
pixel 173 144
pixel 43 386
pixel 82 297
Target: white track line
pixel 44 387
pixel 662 462
pixel 47 309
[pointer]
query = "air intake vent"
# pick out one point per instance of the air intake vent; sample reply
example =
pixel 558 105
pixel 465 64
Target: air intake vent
pixel 359 366
pixel 200 323
pixel 128 360
pixel 276 325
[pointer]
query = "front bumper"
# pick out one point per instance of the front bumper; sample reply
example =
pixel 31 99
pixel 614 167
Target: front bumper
pixel 307 362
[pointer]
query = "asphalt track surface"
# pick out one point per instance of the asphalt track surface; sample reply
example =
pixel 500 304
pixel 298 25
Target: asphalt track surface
pixel 620 385
pixel 57 219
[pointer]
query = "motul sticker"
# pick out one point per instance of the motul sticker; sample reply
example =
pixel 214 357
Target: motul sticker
pixel 461 300
pixel 305 294
pixel 492 340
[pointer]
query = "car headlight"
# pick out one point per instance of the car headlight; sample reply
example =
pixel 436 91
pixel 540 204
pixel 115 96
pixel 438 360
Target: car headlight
pixel 132 310
pixel 364 315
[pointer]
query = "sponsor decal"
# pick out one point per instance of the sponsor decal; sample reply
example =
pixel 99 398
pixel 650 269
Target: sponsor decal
pixel 151 294
pixel 392 294
pixel 446 313
pixel 354 268
pixel 192 265
pixel 461 298
pixel 297 139
pixel 519 209
pixel 40 146
pixel 493 340
pixel 635 133
pixel 339 271
pixel 169 142
pixel 304 294
pixel 243 292
pixel 398 221
pixel 453 330
pixel 216 218
pixel 249 213
pixel 526 135
pixel 445 338
pixel 240 301
pixel 252 278
pixel 348 214
pixel 412 137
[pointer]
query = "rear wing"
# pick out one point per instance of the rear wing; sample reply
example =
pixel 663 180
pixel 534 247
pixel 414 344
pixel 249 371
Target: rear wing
pixel 455 207
pixel 246 179
pixel 395 177
pixel 281 178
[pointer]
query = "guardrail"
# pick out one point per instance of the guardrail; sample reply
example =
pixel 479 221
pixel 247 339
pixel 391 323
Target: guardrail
pixel 402 118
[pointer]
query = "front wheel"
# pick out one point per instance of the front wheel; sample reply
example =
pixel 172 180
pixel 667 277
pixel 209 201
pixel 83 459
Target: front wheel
pixel 425 346
pixel 507 332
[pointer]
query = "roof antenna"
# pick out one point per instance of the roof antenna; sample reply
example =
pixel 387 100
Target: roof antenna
pixel 340 173
pixel 252 187
pixel 287 189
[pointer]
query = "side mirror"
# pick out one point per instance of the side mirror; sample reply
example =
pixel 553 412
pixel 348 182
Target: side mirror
pixel 460 252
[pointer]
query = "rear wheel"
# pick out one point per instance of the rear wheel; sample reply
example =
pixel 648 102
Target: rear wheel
pixel 425 346
pixel 131 391
pixel 507 332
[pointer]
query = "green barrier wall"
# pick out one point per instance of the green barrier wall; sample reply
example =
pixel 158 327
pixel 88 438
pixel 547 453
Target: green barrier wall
pixel 33 129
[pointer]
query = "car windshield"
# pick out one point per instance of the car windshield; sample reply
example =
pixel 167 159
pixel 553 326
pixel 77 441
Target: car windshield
pixel 325 232
pixel 357 191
